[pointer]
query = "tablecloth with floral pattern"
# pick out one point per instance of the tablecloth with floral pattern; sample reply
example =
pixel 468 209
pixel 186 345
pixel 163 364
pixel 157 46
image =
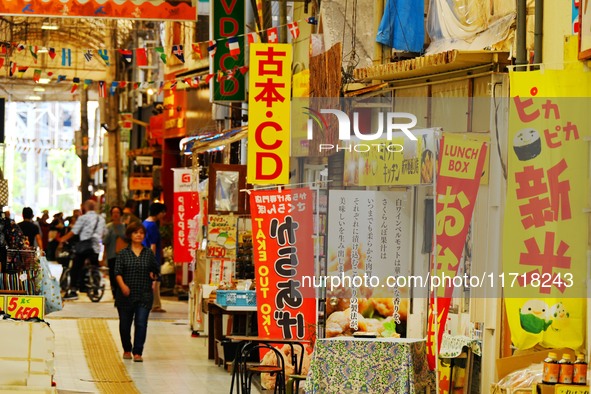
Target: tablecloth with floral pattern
pixel 377 365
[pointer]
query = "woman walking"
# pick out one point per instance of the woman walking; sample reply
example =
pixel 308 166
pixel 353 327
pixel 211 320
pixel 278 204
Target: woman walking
pixel 135 270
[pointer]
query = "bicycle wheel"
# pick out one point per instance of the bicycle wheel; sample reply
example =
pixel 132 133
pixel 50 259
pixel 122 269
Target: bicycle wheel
pixel 66 279
pixel 95 286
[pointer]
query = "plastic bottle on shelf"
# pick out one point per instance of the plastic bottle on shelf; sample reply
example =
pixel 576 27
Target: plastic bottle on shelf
pixel 565 374
pixel 551 368
pixel 580 370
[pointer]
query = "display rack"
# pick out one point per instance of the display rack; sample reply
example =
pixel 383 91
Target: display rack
pixel 19 272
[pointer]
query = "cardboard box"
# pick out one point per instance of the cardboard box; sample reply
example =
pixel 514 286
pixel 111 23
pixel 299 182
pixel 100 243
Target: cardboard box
pixel 570 389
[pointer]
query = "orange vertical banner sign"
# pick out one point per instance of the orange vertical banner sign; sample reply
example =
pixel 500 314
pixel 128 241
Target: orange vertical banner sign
pixel 282 224
pixel 459 170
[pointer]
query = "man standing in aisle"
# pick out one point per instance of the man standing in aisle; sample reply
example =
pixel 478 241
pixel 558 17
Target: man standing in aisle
pixel 30 229
pixel 153 241
pixel 88 226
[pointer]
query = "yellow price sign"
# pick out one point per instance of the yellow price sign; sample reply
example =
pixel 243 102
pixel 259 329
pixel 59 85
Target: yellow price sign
pixel 571 389
pixel 25 307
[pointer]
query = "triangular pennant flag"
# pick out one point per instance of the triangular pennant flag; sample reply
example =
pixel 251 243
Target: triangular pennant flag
pixel 113 88
pixel 188 81
pixel 177 50
pixel 36 75
pixel 136 85
pixel 87 83
pixel 141 57
pixel 173 85
pixel 20 47
pixel 127 54
pixel 294 30
pixel 61 78
pixel 233 46
pixel 160 51
pixel 3 50
pixel 102 89
pixel 66 57
pixel 122 84
pixel 252 37
pixel 273 35
pixel 196 46
pixel 104 54
pixel 51 53
pixel 1 62
pixel 75 83
pixel 243 69
pixel 312 20
pixel 220 75
pixel 208 78
pixel 33 49
pixel 22 70
pixel 211 48
pixel 88 55
pixel 160 87
pixel 49 73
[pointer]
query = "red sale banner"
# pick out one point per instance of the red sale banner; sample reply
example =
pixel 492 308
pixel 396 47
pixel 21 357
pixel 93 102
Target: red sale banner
pixel 186 224
pixel 459 170
pixel 282 224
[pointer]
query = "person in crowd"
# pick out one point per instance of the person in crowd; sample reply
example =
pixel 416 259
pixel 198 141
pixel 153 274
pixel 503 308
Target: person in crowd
pixel 88 226
pixel 129 212
pixel 153 241
pixel 44 226
pixel 56 230
pixel 135 271
pixel 114 240
pixel 30 229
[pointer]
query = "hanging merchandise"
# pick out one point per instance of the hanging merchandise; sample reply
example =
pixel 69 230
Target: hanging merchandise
pixel 3 190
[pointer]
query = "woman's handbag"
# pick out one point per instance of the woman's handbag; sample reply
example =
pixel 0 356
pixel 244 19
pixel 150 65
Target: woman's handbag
pixel 50 288
pixel 120 243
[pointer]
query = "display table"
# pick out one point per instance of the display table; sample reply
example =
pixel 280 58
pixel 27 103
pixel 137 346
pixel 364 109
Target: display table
pixel 369 365
pixel 215 324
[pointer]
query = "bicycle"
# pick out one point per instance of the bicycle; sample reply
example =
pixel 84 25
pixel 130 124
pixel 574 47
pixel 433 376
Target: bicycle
pixel 93 282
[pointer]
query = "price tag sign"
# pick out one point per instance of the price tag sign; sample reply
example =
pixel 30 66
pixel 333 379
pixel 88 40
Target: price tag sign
pixel 25 307
pixel 2 303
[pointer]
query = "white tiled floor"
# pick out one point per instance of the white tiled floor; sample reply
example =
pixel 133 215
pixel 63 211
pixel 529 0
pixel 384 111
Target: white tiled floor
pixel 174 362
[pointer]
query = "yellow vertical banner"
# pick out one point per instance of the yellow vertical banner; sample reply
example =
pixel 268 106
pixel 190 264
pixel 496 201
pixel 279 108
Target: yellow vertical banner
pixel 545 230
pixel 269 113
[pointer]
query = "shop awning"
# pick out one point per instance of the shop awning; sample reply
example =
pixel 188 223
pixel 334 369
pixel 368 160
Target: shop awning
pixel 454 60
pixel 208 142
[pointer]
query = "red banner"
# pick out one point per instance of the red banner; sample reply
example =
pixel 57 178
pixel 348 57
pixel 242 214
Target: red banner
pixel 282 223
pixel 186 225
pixel 169 10
pixel 459 170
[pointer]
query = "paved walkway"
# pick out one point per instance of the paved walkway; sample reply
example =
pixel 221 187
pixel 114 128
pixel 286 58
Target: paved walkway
pixel 174 361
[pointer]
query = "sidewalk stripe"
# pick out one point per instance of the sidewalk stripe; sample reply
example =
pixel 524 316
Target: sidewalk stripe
pixel 103 358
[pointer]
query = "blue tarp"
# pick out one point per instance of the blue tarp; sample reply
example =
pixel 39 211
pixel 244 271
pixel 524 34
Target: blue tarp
pixel 403 25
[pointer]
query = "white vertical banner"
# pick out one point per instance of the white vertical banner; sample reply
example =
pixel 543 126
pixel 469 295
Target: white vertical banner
pixel 186 223
pixel 369 238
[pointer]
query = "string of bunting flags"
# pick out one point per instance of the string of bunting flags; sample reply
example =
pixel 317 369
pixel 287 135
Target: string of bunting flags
pixel 141 59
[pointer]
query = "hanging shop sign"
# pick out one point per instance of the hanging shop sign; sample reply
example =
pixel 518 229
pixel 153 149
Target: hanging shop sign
pixel 137 9
pixel 141 183
pixel 283 256
pixel 545 231
pixel 368 248
pixel 227 50
pixel 221 236
pixel 269 114
pixel 459 171
pixel 185 220
pixel 397 161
